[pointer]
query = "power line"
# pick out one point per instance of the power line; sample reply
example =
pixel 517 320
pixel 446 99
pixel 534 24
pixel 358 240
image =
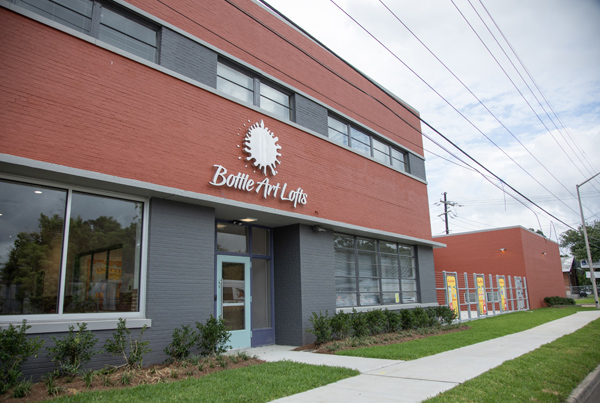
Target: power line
pixel 512 82
pixel 438 132
pixel 482 104
pixel 360 90
pixel 445 100
pixel 581 152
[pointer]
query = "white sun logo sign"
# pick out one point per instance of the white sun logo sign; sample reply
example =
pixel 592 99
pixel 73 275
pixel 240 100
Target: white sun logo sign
pixel 262 146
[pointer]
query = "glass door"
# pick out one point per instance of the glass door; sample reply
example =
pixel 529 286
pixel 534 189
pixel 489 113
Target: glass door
pixel 233 298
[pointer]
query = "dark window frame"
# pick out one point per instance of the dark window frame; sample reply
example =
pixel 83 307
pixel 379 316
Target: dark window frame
pixel 400 254
pixel 350 142
pixel 95 23
pixel 257 82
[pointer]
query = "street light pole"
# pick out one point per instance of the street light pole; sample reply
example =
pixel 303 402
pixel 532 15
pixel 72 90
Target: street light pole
pixel 587 244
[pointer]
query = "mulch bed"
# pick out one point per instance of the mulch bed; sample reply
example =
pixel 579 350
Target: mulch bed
pixel 378 340
pixel 126 378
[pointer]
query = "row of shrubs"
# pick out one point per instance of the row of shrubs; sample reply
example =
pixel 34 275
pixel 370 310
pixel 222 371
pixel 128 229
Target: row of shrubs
pixel 75 349
pixel 559 301
pixel 359 324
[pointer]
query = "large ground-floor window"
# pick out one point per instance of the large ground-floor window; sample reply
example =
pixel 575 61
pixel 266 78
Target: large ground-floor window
pixel 373 272
pixel 67 251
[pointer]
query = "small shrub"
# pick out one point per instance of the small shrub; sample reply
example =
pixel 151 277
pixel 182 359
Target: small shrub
pixel 360 327
pixel 445 315
pixel 321 327
pixel 106 381
pixel 51 387
pixel 559 301
pixel 420 317
pixel 125 378
pixel 221 361
pixel 88 378
pixel 183 340
pixel 433 320
pixel 123 343
pixel 74 350
pixel 213 337
pixel 393 321
pixel 407 319
pixel 376 321
pixel 341 325
pixel 15 349
pixel 22 389
pixel 243 355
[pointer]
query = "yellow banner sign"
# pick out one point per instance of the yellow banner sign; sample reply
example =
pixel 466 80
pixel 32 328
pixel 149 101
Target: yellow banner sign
pixel 452 294
pixel 481 295
pixel 502 290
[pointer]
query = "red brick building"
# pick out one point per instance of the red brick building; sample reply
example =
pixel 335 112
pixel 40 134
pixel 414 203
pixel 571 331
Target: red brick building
pixel 515 252
pixel 168 160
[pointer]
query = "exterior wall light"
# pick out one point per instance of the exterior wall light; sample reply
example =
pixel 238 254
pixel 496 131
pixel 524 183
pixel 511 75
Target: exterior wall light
pixel 502 249
pixel 317 228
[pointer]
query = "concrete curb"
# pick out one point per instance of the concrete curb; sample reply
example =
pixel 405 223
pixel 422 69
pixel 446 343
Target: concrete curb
pixel 588 390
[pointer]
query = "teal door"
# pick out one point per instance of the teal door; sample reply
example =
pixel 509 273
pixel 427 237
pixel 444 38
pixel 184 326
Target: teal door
pixel 234 298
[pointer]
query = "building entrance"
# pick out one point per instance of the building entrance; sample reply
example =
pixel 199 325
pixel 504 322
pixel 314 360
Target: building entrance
pixel 244 283
pixel 233 303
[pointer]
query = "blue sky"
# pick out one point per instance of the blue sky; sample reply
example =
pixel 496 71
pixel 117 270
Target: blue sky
pixel 557 42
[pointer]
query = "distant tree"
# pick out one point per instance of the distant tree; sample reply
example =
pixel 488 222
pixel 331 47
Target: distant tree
pixel 575 241
pixel 537 231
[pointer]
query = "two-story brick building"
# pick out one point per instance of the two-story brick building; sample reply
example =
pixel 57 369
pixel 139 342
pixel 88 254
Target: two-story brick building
pixel 162 161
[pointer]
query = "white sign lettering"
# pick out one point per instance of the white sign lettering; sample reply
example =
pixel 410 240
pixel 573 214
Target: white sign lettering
pixel 243 182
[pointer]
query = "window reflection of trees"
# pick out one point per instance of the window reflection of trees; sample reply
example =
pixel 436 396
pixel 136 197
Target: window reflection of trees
pixel 30 275
pixel 104 246
pixel 109 281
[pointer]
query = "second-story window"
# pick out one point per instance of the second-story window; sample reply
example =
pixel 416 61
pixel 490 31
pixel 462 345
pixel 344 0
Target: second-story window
pixel 126 32
pixel 348 135
pixel 253 90
pixel 337 131
pixel 102 20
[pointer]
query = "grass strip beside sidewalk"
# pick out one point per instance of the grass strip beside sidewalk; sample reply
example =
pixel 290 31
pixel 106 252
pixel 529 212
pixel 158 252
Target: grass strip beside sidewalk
pixel 547 374
pixel 257 383
pixel 480 330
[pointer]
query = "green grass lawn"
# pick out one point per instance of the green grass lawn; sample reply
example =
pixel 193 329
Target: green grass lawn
pixel 481 330
pixel 257 383
pixel 547 374
pixel 588 300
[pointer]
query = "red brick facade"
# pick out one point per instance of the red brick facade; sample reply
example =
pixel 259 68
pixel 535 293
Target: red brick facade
pixel 526 255
pixel 105 113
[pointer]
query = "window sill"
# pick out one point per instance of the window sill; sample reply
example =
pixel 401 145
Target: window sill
pixel 39 327
pixel 393 307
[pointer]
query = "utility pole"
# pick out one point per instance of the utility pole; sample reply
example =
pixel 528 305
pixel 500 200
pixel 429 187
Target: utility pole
pixel 446 214
pixel 447 203
pixel 587 243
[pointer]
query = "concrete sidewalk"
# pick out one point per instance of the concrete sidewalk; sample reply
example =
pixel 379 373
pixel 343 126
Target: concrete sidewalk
pixel 414 381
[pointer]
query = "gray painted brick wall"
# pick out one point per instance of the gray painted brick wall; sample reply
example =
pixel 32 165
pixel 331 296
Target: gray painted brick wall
pixel 181 269
pixel 304 281
pixel 426 274
pixel 310 114
pixel 287 281
pixel 188 58
pixel 318 276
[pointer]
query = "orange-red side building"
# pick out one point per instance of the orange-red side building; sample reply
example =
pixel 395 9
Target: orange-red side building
pixel 515 252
